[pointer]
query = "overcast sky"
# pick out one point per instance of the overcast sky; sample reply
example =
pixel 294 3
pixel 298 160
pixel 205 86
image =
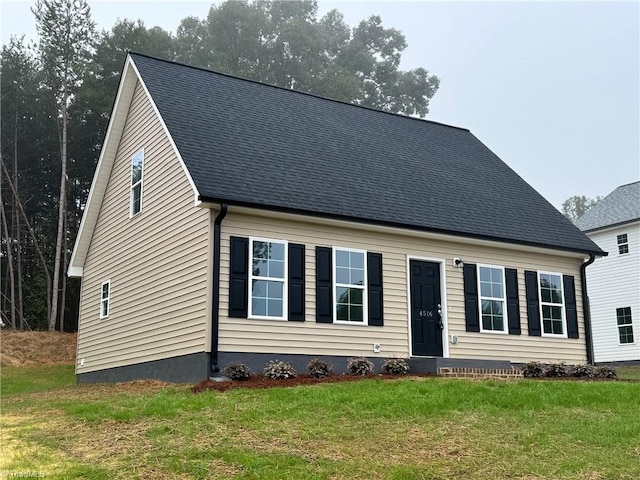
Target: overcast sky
pixel 552 88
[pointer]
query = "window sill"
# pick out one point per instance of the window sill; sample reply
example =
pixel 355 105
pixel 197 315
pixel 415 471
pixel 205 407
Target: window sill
pixel 357 324
pixel 555 335
pixel 495 332
pixel 277 319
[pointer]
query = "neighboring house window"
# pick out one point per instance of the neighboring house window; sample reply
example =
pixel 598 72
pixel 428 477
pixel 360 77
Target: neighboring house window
pixel 551 303
pixel 625 327
pixel 137 168
pixel 350 287
pixel 492 298
pixel 623 244
pixel 268 279
pixel 105 292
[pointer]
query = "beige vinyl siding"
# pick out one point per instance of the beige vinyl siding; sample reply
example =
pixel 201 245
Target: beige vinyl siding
pixel 158 262
pixel 311 338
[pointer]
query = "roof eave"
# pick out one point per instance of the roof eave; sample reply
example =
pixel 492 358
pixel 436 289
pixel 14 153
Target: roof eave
pixel 613 225
pixel 207 201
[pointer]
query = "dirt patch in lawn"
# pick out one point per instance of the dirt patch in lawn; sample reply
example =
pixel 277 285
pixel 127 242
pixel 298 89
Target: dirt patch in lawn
pixel 36 348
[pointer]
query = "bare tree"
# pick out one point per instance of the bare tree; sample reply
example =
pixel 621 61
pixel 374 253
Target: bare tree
pixel 65 29
pixel 9 247
pixel 19 204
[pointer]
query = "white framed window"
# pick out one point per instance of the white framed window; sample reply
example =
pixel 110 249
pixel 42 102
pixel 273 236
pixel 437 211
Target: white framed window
pixel 349 286
pixel 268 279
pixel 625 325
pixel 137 174
pixel 105 296
pixel 623 244
pixel 492 299
pixel 552 309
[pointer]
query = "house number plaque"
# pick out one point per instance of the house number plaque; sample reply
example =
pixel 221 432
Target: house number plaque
pixel 425 313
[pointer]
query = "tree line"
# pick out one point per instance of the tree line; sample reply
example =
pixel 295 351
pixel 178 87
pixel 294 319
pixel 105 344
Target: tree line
pixel 57 94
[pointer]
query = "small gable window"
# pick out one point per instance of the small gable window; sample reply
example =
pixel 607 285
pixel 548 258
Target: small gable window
pixel 267 278
pixel 551 303
pixel 625 325
pixel 105 293
pixel 349 286
pixel 623 244
pixel 492 298
pixel 137 171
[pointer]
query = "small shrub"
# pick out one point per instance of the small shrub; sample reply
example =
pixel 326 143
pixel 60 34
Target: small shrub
pixel 319 368
pixel 395 366
pixel 584 371
pixel 237 371
pixel 606 371
pixel 533 370
pixel 558 370
pixel 279 370
pixel 359 366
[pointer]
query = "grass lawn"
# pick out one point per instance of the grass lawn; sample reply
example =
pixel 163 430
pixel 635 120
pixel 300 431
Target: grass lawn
pixel 35 379
pixel 629 373
pixel 414 428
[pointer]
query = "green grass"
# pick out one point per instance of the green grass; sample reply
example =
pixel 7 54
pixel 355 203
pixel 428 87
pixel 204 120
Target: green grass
pixel 629 373
pixel 35 379
pixel 429 428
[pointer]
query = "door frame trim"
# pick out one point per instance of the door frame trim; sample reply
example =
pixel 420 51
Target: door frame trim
pixel 443 300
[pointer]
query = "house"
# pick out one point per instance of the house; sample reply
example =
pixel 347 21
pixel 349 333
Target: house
pixel 233 221
pixel 614 281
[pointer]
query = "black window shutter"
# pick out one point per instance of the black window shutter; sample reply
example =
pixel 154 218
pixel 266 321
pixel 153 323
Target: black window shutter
pixel 570 305
pixel 239 277
pixel 296 282
pixel 513 302
pixel 533 307
pixel 324 286
pixel 374 288
pixel 471 313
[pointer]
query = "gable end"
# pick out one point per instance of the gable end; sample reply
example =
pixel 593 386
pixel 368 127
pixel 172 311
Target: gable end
pixel 129 80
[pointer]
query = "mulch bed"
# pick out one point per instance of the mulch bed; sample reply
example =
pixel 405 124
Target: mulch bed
pixel 258 381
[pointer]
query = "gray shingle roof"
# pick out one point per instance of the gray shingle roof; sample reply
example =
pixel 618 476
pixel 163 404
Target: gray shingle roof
pixel 620 206
pixel 247 143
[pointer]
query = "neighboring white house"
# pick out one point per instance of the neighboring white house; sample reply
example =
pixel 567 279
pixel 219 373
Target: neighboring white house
pixel 614 281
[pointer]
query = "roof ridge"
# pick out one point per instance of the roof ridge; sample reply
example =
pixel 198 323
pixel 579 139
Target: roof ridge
pixel 300 92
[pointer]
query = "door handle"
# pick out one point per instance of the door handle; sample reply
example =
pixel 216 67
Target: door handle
pixel 439 309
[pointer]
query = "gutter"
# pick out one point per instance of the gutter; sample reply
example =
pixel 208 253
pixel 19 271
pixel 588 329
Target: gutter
pixel 586 308
pixel 213 368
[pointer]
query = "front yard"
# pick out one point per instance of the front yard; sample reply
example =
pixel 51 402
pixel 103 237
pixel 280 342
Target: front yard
pixel 413 428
